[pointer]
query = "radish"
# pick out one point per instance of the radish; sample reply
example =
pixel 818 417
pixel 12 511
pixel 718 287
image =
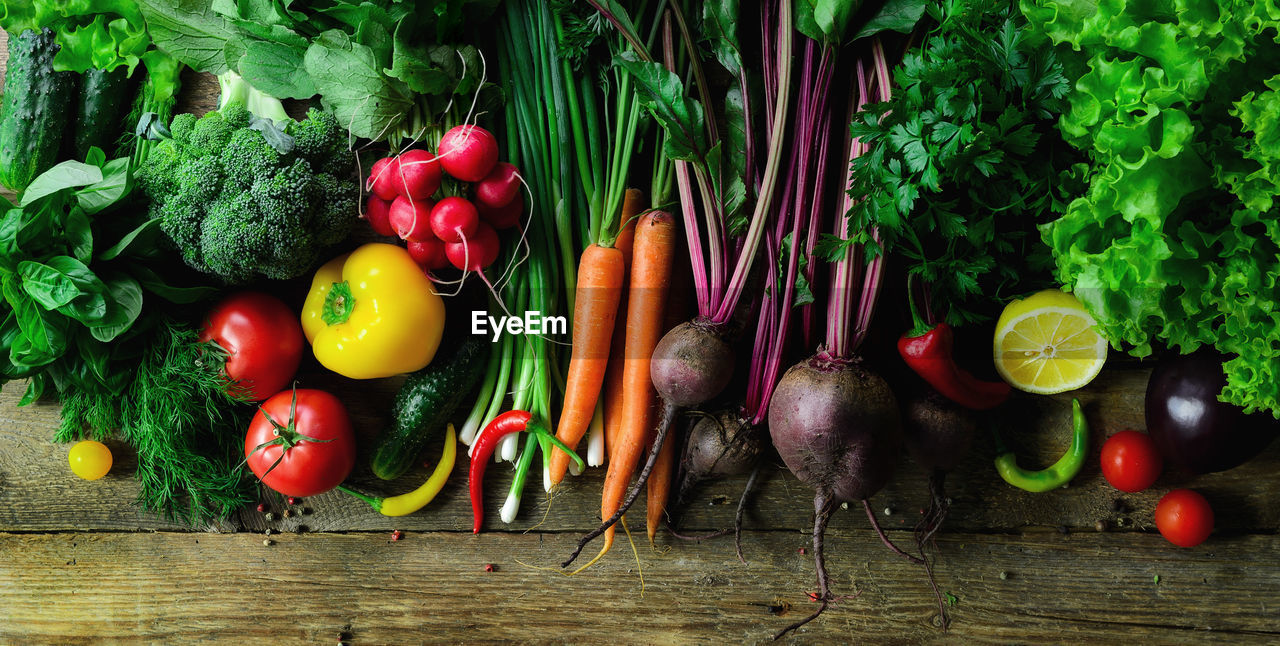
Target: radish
pixel 503 217
pixel 382 176
pixel 377 211
pixel 499 187
pixel 411 219
pixel 476 252
pixel 418 174
pixel 468 153
pixel 454 219
pixel 429 253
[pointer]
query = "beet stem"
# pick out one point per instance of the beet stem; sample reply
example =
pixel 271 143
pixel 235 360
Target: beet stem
pixel 665 421
pixel 742 508
pixel 871 515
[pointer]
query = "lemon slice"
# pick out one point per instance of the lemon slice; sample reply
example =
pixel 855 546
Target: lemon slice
pixel 1048 343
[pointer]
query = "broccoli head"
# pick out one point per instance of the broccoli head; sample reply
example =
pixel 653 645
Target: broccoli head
pixel 236 207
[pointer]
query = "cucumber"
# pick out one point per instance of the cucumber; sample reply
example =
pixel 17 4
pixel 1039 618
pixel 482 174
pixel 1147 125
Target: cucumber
pixel 105 98
pixel 34 110
pixel 424 404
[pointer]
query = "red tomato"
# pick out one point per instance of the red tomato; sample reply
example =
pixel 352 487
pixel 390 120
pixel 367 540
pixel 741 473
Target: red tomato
pixel 262 337
pixel 1184 517
pixel 315 456
pixel 1130 461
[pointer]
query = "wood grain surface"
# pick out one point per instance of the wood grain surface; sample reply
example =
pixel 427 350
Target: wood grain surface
pixel 81 563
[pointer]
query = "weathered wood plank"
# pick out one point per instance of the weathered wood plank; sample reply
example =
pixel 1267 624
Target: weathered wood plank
pixel 38 493
pixel 198 588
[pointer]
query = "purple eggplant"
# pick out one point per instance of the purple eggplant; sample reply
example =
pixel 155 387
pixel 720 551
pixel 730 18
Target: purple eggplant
pixel 1192 429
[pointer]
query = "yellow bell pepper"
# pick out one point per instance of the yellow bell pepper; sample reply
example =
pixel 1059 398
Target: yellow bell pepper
pixel 373 313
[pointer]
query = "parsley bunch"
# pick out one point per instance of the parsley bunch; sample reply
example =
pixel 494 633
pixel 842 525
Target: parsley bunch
pixel 964 160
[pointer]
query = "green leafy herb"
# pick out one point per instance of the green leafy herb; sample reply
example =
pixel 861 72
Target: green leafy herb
pixel 964 160
pixel 368 61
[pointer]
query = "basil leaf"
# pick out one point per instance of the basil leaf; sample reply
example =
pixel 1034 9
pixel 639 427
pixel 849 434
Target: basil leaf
pixel 79 272
pixel 118 248
pixel 123 308
pixel 35 388
pixel 47 286
pixel 89 308
pixel 113 186
pixel 68 174
pixel 152 282
pixel 43 337
pixel 79 235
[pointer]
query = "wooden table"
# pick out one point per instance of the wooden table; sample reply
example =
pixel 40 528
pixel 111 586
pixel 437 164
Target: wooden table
pixel 79 562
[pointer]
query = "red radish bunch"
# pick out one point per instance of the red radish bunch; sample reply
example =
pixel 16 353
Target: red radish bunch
pixel 449 229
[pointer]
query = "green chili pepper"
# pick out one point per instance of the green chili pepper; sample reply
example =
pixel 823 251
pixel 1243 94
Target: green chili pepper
pixel 1055 476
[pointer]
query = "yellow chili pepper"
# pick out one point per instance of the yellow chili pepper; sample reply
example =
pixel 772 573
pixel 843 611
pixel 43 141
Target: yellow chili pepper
pixel 373 313
pixel 407 503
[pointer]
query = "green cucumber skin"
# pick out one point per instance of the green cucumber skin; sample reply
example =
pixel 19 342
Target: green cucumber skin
pixel 424 405
pixel 35 109
pixel 105 98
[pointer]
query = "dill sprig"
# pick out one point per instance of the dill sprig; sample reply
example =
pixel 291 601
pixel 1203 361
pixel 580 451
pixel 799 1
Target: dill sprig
pixel 188 431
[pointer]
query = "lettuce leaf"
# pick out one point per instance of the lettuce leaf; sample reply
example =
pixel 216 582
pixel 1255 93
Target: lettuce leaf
pixel 1176 241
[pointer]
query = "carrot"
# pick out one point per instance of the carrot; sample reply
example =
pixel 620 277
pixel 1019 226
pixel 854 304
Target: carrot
pixel 596 307
pixel 659 485
pixel 651 270
pixel 613 375
pixel 601 276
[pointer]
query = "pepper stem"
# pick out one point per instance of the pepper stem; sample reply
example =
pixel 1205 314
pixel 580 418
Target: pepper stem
pixel 920 326
pixel 374 502
pixel 338 304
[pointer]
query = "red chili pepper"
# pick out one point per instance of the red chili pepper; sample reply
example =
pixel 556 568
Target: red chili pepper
pixel 930 356
pixel 503 425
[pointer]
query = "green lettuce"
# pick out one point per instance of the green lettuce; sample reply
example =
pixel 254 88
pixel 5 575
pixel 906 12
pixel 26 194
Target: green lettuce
pixel 1176 241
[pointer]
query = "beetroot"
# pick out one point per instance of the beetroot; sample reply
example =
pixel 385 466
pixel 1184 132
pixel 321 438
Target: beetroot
pixel 468 153
pixel 719 445
pixel 691 364
pixel 835 424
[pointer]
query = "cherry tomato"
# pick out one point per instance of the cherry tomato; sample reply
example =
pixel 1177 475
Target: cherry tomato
pixel 309 442
pixel 89 460
pixel 1184 517
pixel 262 337
pixel 1130 461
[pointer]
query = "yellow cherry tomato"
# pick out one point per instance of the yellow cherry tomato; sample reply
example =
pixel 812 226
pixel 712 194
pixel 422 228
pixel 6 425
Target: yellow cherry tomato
pixel 373 313
pixel 90 460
